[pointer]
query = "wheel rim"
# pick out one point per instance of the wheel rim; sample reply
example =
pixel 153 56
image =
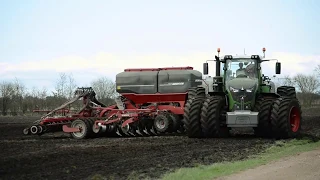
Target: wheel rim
pixel 26 131
pixel 34 129
pixel 81 126
pixel 295 119
pixel 161 124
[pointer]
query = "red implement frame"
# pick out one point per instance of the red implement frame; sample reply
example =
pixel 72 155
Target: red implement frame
pixel 136 106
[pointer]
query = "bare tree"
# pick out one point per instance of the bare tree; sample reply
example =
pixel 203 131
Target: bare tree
pixel 317 69
pixel 61 85
pixel 34 104
pixel 16 99
pixel 65 85
pixel 71 85
pixel 287 81
pixel 42 95
pixel 105 88
pixel 307 83
pixel 7 91
pixel 18 93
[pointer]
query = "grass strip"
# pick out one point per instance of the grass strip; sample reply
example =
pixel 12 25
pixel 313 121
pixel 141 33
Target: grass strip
pixel 279 150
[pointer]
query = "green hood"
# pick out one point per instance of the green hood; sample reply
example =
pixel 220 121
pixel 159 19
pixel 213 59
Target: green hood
pixel 245 83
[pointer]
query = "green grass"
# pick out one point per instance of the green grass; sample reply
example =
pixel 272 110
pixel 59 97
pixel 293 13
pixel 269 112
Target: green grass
pixel 279 150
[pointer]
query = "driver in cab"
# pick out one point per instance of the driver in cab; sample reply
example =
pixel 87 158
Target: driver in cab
pixel 241 70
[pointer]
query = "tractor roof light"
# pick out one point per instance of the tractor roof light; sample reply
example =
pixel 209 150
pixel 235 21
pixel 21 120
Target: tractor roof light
pixel 218 50
pixel 228 57
pixel 255 57
pixel 263 49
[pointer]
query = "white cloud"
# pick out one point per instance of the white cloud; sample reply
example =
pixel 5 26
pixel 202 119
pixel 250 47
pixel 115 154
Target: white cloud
pixel 85 69
pixel 294 63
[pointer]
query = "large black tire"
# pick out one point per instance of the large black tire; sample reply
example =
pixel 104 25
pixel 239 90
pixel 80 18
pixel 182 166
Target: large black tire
pixel 194 125
pixel 192 93
pixel 163 123
pixel 211 117
pixel 285 112
pixel 287 91
pixel 264 107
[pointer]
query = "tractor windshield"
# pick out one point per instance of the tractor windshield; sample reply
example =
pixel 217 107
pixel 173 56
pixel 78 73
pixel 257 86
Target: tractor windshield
pixel 241 68
pixel 241 79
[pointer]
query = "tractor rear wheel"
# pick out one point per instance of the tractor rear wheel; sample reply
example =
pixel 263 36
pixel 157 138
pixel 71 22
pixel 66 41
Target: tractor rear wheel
pixel 287 91
pixel 192 94
pixel 264 107
pixel 211 123
pixel 194 125
pixel 286 118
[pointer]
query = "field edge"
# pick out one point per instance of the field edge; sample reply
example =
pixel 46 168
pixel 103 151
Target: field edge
pixel 277 151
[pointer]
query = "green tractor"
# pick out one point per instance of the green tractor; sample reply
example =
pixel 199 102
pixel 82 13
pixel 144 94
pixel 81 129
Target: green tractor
pixel 240 96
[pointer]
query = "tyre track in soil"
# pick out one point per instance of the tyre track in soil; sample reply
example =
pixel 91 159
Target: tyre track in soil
pixel 59 157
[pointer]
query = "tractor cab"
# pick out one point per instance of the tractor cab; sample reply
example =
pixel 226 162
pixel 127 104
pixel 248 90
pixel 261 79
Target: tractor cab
pixel 240 67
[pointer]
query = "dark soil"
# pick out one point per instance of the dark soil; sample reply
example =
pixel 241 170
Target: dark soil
pixel 60 157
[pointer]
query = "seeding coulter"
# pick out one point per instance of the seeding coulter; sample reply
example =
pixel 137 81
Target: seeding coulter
pixel 151 103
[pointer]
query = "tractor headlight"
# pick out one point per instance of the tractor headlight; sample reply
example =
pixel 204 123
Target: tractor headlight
pixel 233 89
pixel 249 90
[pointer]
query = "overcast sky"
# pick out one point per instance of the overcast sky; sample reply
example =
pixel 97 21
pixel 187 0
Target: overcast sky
pixel 40 38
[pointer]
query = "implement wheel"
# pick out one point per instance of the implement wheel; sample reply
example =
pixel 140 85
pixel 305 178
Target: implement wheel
pixel 84 129
pixel 163 123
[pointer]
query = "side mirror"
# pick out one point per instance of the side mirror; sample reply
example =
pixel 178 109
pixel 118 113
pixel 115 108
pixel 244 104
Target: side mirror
pixel 278 68
pixel 205 68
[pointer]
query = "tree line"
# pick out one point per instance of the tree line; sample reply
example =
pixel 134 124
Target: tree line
pixel 17 99
pixel 307 86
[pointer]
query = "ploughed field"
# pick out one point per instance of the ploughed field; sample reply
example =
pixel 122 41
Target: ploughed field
pixel 60 157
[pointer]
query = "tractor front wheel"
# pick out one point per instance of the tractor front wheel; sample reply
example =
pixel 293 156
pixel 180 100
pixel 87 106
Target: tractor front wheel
pixel 286 118
pixel 211 119
pixel 194 126
pixel 264 107
pixel 192 94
